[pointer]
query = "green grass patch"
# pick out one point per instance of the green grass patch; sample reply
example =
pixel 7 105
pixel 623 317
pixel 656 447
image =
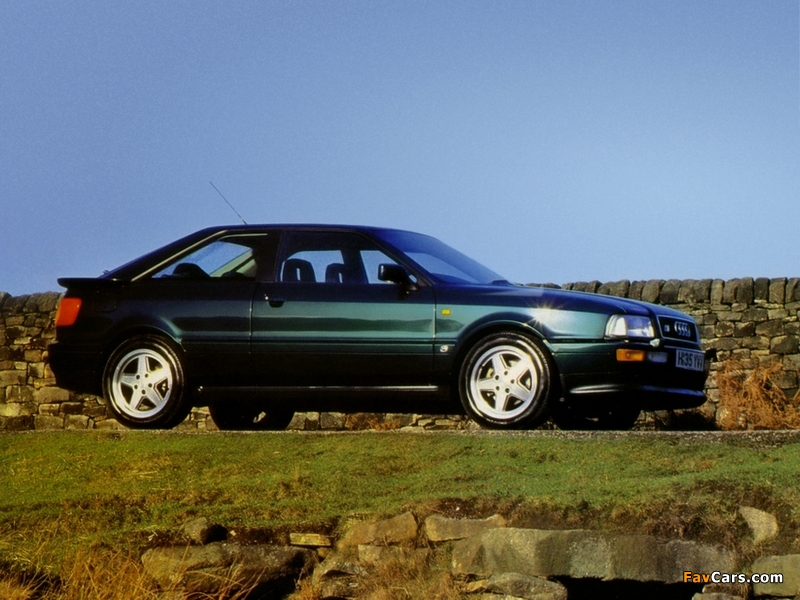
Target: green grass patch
pixel 81 488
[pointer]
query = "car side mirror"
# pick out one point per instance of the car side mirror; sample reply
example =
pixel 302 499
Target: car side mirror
pixel 396 274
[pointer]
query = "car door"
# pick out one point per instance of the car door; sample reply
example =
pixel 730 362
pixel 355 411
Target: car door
pixel 203 299
pixel 327 320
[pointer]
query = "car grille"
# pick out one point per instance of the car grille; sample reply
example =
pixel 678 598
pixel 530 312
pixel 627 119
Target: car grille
pixel 677 329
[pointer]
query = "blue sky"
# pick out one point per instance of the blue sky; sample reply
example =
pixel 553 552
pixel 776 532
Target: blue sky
pixel 552 141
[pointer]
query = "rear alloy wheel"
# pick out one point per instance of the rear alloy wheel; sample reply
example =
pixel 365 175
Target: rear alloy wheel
pixel 505 382
pixel 233 415
pixel 144 384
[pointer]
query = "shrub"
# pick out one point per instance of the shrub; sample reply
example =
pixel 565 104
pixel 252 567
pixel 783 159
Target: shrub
pixel 749 398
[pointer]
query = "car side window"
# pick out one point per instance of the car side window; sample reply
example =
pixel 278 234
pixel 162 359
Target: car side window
pixel 236 257
pixel 330 258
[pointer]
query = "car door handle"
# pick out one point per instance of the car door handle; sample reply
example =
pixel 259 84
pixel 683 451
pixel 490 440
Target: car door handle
pixel 274 302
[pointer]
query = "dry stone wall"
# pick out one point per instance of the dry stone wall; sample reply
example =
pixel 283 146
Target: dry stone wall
pixel 487 559
pixel 748 319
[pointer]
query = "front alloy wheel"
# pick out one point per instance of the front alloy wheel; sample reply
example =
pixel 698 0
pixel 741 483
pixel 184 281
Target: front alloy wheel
pixel 144 384
pixel 505 382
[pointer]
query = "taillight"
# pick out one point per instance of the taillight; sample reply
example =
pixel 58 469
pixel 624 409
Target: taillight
pixel 67 312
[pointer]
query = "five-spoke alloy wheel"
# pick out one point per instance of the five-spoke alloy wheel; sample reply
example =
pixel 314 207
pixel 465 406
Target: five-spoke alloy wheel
pixel 506 381
pixel 144 384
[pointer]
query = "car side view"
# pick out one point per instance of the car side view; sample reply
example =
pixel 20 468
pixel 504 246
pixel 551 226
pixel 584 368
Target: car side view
pixel 260 321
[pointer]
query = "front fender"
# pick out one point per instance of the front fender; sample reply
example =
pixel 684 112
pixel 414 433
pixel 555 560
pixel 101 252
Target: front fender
pixel 452 346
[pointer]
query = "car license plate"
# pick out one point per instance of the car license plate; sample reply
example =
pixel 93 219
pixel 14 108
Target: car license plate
pixel 689 359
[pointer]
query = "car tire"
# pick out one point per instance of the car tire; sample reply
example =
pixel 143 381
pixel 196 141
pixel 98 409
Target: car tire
pixel 506 382
pixel 618 418
pixel 144 384
pixel 232 415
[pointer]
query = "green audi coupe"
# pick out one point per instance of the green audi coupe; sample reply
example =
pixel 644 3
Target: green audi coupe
pixel 259 321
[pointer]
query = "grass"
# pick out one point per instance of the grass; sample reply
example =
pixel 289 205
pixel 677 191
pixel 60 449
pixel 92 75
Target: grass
pixel 67 493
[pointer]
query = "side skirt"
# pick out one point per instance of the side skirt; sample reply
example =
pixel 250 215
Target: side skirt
pixel 427 399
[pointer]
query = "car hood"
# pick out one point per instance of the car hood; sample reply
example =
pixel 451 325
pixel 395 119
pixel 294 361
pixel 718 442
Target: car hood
pixel 556 314
pixel 521 296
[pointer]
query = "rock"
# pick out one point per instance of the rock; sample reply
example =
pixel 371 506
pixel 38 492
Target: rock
pixel 695 292
pixel 745 294
pixel 312 540
pixel 440 529
pixel 669 291
pixel 298 422
pixel 777 290
pixel 398 530
pixel 526 587
pixel 329 420
pixel 50 395
pixel 216 566
pixel 652 290
pixel 763 524
pixel 615 288
pixel 337 577
pixel 201 532
pixel 586 554
pixel 788 565
pixel 784 344
pixel 474 587
pixel 11 377
pixel 716 596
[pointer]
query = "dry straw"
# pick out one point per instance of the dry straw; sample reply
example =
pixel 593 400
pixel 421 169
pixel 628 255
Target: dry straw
pixel 750 398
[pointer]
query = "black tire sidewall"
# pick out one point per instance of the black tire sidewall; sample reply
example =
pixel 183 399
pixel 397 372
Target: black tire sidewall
pixel 538 411
pixel 176 408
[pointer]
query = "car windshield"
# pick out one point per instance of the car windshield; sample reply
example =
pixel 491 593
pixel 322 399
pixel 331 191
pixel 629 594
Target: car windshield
pixel 442 262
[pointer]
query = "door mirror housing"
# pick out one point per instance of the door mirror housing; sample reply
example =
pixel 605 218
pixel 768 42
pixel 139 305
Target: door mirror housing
pixel 396 274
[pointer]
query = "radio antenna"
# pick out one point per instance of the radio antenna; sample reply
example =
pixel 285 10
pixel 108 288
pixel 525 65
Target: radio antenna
pixel 228 203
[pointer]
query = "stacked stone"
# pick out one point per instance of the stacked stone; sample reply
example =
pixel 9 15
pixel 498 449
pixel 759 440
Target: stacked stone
pixel 746 319
pixel 24 335
pixel 29 398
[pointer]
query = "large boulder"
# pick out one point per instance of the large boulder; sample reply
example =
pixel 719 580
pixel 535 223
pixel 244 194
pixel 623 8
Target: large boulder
pixel 399 530
pixel 439 528
pixel 219 566
pixel 200 531
pixel 586 554
pixel 763 525
pixel 788 566
pixel 338 576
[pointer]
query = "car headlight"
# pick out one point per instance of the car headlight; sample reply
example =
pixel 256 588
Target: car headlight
pixel 630 326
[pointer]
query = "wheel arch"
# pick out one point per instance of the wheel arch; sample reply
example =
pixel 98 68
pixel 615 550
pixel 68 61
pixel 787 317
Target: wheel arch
pixel 495 326
pixel 122 335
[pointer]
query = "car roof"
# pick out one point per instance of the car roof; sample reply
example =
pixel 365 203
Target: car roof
pixel 295 226
pixel 134 267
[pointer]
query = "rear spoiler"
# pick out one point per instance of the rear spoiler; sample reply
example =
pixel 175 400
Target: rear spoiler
pixel 96 283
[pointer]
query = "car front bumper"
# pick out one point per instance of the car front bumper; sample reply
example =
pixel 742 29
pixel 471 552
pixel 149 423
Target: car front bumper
pixel 592 374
